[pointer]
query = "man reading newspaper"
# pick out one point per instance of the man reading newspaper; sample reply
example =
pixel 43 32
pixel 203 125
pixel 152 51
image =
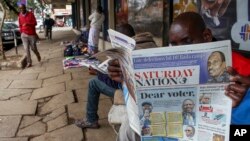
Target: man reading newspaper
pixel 189 28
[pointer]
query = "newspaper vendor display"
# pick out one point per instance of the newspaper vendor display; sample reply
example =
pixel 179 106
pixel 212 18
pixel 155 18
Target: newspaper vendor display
pixel 175 93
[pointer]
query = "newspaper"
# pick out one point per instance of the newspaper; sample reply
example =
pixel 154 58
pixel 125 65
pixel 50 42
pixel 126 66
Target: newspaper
pixel 168 92
pixel 72 62
pixel 102 67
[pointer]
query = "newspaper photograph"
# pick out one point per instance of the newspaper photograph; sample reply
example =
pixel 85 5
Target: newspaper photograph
pixel 176 88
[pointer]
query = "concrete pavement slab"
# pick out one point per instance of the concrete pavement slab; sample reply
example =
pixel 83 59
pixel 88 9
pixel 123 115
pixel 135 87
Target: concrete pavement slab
pixel 77 84
pixel 28 84
pixel 48 91
pixel 34 69
pixel 96 135
pixel 82 95
pixel 4 83
pixel 59 122
pixel 20 76
pixel 14 139
pixel 58 101
pixel 9 72
pixel 68 133
pixel 17 107
pixel 77 111
pixel 28 120
pixel 82 75
pixel 22 97
pixel 55 55
pixel 54 114
pixel 7 93
pixel 9 125
pixel 74 70
pixel 57 79
pixel 49 74
pixel 104 105
pixel 54 67
pixel 58 59
pixel 27 76
pixel 35 129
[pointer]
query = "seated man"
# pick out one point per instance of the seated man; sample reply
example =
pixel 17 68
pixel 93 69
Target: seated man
pixel 189 28
pixel 103 84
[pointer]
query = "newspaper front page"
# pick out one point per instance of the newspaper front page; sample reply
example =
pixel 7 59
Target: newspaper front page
pixel 169 92
pixel 176 96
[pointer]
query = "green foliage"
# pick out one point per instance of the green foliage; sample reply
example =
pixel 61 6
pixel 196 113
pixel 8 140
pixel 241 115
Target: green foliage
pixel 11 5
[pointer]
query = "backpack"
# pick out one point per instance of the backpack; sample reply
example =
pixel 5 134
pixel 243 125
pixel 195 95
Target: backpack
pixel 51 22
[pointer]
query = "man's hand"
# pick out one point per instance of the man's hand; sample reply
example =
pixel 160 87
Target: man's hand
pixel 237 90
pixel 114 70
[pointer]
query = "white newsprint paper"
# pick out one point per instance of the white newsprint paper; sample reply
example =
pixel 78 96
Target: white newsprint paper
pixel 170 92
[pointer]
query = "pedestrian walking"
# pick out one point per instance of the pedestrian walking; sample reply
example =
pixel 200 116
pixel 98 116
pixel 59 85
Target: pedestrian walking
pixel 48 24
pixel 27 23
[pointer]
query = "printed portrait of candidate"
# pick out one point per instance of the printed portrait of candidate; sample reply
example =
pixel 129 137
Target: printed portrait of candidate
pixel 189 131
pixel 188 113
pixel 205 98
pixel 216 66
pixel 146 109
pixel 146 130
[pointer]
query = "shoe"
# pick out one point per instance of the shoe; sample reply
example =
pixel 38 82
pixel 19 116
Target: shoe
pixel 39 58
pixel 86 124
pixel 28 65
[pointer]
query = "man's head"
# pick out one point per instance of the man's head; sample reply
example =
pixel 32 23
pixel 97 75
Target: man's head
pixel 126 29
pixel 189 28
pixel 189 130
pixel 147 106
pixel 188 105
pixel 205 98
pixel 22 8
pixel 216 64
pixel 146 130
pixel 99 9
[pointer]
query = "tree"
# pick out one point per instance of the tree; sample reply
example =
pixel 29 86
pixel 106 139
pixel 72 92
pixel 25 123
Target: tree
pixel 11 5
pixel 2 16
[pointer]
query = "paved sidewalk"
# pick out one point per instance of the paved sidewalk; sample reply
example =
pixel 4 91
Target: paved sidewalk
pixel 40 103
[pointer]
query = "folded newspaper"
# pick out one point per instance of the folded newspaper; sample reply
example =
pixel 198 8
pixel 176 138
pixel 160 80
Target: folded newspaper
pixel 72 62
pixel 171 93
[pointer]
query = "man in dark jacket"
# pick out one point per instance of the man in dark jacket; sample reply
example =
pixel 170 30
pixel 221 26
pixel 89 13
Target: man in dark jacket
pixel 48 24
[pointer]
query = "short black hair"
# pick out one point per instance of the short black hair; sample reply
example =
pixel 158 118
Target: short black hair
pixel 192 20
pixel 146 103
pixel 99 9
pixel 126 29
